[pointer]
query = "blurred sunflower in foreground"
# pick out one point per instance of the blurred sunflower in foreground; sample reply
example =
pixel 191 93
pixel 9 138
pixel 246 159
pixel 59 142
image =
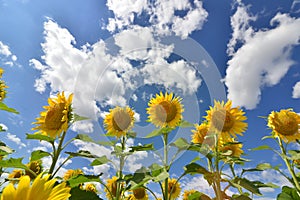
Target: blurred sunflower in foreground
pixel 119 121
pixel 226 120
pixel 56 117
pixel 41 189
pixel 165 110
pixel 285 124
pixel 173 188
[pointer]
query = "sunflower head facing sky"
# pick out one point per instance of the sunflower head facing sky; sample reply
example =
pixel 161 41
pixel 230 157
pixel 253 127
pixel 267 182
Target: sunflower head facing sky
pixel 165 110
pixel 202 135
pixel 225 119
pixel 56 117
pixel 285 124
pixel 41 189
pixel 119 121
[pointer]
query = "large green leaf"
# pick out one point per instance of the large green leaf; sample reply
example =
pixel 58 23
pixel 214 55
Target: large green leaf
pixel 263 147
pixel 4 107
pixel 13 163
pixel 181 144
pixel 81 153
pixel 78 194
pixel 288 194
pixel 248 185
pixel 39 137
pixel 86 138
pixel 77 117
pixel 100 161
pixel 194 168
pixel 158 132
pixel 295 154
pixel 185 124
pixel 145 147
pixel 79 179
pixel 5 150
pixel 241 197
pixel 38 154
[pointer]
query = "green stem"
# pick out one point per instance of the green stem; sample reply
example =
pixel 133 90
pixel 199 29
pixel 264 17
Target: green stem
pixel 56 153
pixel 62 164
pixel 288 164
pixel 153 194
pixel 165 140
pixel 122 162
pixel 218 173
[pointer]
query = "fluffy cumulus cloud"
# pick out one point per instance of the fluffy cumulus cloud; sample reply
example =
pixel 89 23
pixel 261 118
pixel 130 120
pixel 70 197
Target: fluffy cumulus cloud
pixel 161 15
pixel 6 56
pixel 103 74
pixel 296 90
pixel 15 139
pixel 262 60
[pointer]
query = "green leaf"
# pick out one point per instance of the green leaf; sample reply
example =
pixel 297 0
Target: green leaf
pixel 157 132
pixel 78 194
pixel 288 194
pixel 77 118
pixel 81 153
pixel 158 173
pixel 181 144
pixel 79 179
pixel 86 138
pixel 13 163
pixel 100 161
pixel 4 107
pixel 267 137
pixel 39 137
pixel 241 197
pixel 263 147
pixel 37 155
pixel 264 166
pixel 131 134
pixel 145 147
pixel 5 150
pixel 194 168
pixel 185 124
pixel 248 185
pixel 295 154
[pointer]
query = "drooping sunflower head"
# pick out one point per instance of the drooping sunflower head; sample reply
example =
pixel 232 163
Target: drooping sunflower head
pixel 56 117
pixel 225 119
pixel 119 121
pixel 2 90
pixel 285 124
pixel 165 110
pixel 173 188
pixel 202 135
pixel 112 186
pixel 42 188
pixel 16 174
pixel 35 166
pixel 72 173
pixel 138 194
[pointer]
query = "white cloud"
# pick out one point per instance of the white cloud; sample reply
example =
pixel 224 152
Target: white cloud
pixel 4 50
pixel 262 61
pixel 6 56
pixel 162 15
pixel 16 140
pixel 296 90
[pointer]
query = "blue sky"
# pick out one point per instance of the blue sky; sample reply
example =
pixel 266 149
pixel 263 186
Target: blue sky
pixel 114 52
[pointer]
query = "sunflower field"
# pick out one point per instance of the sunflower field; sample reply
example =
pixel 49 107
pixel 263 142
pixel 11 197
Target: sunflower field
pixel 215 138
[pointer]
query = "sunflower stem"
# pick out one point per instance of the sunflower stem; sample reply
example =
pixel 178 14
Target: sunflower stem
pixel 165 140
pixel 217 180
pixel 288 164
pixel 122 161
pixel 56 154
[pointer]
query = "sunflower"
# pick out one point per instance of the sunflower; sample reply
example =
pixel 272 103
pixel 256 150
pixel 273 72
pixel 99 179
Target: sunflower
pixel 90 187
pixel 41 189
pixel 202 135
pixel 165 110
pixel 2 90
pixel 225 119
pixel 138 194
pixel 111 188
pixel 1 72
pixel 200 196
pixel 285 124
pixel 35 166
pixel 230 148
pixel 173 188
pixel 15 174
pixel 72 173
pixel 56 117
pixel 119 121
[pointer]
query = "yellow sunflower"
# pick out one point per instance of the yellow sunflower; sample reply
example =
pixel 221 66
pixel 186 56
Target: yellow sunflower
pixel 173 188
pixel 41 189
pixel 230 147
pixel 165 110
pixel 225 119
pixel 72 173
pixel 35 166
pixel 112 187
pixel 2 90
pixel 119 121
pixel 285 124
pixel 15 174
pixel 201 135
pixel 90 187
pixel 1 72
pixel 138 194
pixel 56 117
pixel 188 193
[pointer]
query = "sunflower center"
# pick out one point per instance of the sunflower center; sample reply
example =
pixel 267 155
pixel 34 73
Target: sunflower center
pixel 287 125
pixel 121 120
pixel 171 188
pixel 222 120
pixel 139 193
pixel 166 111
pixel 114 188
pixel 53 120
